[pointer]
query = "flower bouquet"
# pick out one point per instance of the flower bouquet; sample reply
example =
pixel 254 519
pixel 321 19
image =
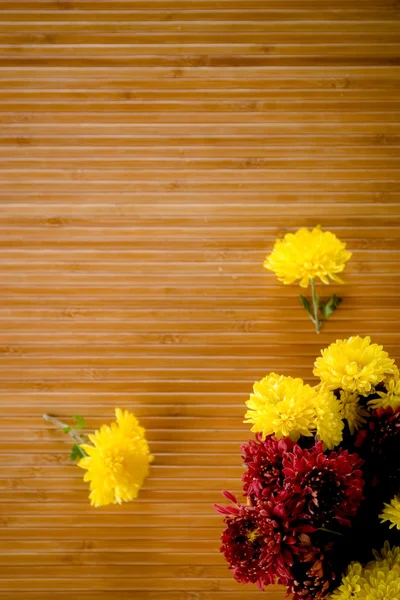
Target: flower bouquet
pixel 321 515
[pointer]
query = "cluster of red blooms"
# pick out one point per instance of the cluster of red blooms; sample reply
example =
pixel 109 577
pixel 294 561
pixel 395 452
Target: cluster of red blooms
pixel 306 508
pixel 292 493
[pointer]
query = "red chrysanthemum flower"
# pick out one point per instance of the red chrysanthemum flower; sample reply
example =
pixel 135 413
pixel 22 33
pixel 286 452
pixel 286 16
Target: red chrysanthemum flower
pixel 263 459
pixel 379 444
pixel 329 485
pixel 242 545
pixel 260 542
pixel 314 575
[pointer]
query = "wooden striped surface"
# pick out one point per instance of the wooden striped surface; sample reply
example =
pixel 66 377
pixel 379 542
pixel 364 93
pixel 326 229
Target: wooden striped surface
pixel 150 153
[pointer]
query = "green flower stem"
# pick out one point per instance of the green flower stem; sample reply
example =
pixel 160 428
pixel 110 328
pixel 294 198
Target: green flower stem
pixel 67 429
pixel 331 531
pixel 316 319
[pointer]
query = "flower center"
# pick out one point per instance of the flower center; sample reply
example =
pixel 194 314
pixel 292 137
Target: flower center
pixel 353 370
pixel 114 462
pixel 324 492
pixel 252 535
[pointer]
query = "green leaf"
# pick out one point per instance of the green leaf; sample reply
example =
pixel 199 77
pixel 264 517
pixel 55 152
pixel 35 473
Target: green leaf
pixel 329 308
pixel 66 429
pixel 79 422
pixel 306 305
pixel 76 452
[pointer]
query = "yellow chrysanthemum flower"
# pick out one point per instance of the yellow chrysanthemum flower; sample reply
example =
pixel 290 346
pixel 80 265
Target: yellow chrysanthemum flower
pixel 328 418
pixel 282 406
pixel 381 584
pixel 387 557
pixel 391 513
pixel 352 411
pixel 306 255
pixel 378 580
pixel 350 587
pixel 118 461
pixel 390 398
pixel 354 365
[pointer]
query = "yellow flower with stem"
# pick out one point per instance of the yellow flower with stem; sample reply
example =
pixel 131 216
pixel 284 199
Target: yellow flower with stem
pixel 287 407
pixel 306 256
pixel 116 461
pixel 354 365
pixel 391 513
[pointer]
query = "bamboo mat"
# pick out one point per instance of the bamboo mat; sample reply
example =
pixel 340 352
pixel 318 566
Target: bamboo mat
pixel 150 153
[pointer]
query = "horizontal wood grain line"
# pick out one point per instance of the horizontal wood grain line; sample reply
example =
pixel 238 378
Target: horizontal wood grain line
pixel 188 4
pixel 203 72
pixel 99 92
pixel 159 291
pixel 189 585
pixel 116 584
pixel 77 498
pixel 31 480
pixel 155 559
pixel 83 294
pixel 243 112
pixel 248 261
pixel 179 61
pixel 70 328
pixel 375 187
pixel 243 175
pixel 197 200
pixel 226 385
pixel 194 38
pixel 50 155
pixel 290 85
pixel 142 350
pixel 190 207
pixel 388 142
pixel 203 302
pixel 119 375
pixel 277 594
pixel 383 132
pixel 118 281
pixel 109 358
pixel 184 12
pixel 170 315
pixel 49 165
pixel 211 26
pixel 208 53
pixel 80 571
pixel 196 462
pixel 263 237
pixel 207 220
pixel 179 520
pixel 121 228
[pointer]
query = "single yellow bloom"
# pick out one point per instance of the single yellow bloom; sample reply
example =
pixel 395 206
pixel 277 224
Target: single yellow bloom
pixel 354 365
pixel 352 411
pixel 391 513
pixel 282 406
pixel 118 462
pixel 306 255
pixel 390 398
pixel 350 587
pixel 328 418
